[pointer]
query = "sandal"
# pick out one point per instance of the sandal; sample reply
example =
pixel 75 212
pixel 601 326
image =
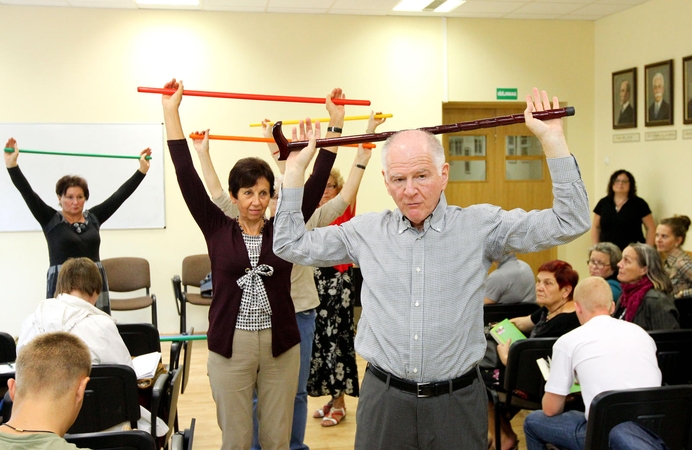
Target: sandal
pixel 320 413
pixel 335 416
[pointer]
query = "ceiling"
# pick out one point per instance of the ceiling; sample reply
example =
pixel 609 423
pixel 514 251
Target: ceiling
pixel 487 9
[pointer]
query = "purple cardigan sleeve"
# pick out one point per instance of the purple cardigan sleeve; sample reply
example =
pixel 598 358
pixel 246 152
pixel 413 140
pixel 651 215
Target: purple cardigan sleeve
pixel 207 215
pixel 314 186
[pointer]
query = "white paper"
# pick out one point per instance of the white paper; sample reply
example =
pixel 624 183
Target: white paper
pixel 145 365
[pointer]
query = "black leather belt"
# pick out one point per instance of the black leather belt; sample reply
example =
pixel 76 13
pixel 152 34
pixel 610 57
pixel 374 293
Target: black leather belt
pixel 424 389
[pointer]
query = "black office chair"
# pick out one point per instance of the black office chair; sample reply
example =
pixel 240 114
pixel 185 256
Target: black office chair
pixel 8 348
pixel 140 338
pixel 8 354
pixel 522 374
pixel 195 269
pixel 164 401
pixel 500 312
pixel 114 440
pixel 674 354
pixel 127 274
pixel 665 410
pixel 183 439
pixel 187 357
pixel 111 397
pixel 684 307
pixel 6 410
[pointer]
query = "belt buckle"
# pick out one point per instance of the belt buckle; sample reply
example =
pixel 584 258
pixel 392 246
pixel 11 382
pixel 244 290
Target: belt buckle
pixel 419 387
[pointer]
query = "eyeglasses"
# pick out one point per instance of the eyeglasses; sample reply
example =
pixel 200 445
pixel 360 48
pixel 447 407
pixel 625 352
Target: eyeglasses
pixel 331 186
pixel 617 181
pixel 598 264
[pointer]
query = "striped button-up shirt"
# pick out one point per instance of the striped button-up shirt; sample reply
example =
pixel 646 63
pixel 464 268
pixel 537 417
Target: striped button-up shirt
pixel 422 291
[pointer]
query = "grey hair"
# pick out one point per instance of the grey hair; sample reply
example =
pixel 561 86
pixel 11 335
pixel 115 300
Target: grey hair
pixel 435 147
pixel 660 76
pixel 610 249
pixel 648 257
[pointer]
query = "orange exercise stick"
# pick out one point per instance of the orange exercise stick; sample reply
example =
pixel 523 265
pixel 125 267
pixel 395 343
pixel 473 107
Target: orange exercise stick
pixel 220 137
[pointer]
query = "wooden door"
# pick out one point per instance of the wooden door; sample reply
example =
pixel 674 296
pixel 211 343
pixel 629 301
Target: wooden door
pixel 503 166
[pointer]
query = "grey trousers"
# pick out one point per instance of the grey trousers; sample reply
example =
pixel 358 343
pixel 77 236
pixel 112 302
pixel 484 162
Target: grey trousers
pixel 389 418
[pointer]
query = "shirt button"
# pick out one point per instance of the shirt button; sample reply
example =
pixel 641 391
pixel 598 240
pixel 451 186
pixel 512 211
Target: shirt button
pixel 416 304
pixel 417 269
pixel 415 337
pixel 415 370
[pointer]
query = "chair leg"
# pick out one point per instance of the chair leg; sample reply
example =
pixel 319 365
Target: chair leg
pixel 496 405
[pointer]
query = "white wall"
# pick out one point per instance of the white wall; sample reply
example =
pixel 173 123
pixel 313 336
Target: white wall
pixel 83 65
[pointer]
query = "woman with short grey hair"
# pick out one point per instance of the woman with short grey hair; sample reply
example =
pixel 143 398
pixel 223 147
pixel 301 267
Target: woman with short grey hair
pixel 603 262
pixel 646 290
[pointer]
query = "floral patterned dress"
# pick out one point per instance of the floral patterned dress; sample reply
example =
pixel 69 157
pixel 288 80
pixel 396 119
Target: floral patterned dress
pixel 333 369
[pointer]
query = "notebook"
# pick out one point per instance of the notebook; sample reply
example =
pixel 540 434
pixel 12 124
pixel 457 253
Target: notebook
pixel 505 330
pixel 544 366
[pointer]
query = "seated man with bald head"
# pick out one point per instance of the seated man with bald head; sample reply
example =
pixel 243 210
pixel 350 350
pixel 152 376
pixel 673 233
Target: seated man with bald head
pixel 47 392
pixel 605 354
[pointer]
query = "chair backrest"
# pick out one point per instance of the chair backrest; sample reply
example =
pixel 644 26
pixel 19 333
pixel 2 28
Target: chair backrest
pixel 674 354
pixel 114 440
pixel 189 435
pixel 140 338
pixel 195 268
pixel 187 352
pixel 8 348
pixel 127 274
pixel 523 373
pixel 6 410
pixel 111 397
pixel 684 307
pixel 164 399
pixel 665 410
pixel 498 313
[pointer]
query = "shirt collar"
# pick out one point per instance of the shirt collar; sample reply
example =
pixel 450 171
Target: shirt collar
pixel 434 220
pixel 673 256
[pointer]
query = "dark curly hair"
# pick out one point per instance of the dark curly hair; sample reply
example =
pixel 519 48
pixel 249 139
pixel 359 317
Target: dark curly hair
pixel 247 172
pixel 633 184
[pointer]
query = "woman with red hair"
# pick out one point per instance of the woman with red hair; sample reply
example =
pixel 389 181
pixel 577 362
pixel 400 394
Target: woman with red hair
pixel 555 285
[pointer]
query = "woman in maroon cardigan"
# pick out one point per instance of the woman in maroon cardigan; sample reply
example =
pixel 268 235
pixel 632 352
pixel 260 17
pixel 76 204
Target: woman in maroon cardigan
pixel 253 336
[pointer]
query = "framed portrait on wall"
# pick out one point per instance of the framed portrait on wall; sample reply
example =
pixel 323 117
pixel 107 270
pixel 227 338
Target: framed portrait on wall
pixel 625 99
pixel 659 93
pixel 687 89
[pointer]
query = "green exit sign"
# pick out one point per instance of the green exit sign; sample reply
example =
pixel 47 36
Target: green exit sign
pixel 507 94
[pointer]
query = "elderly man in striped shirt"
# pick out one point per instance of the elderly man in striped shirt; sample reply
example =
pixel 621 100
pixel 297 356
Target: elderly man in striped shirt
pixel 424 267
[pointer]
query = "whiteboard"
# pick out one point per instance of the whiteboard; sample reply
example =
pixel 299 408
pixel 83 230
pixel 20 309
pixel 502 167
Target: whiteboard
pixel 144 209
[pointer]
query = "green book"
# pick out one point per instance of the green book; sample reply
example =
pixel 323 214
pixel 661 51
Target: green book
pixel 502 331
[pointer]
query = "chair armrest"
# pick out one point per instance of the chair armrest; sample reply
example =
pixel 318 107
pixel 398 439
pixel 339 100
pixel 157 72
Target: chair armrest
pixel 177 291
